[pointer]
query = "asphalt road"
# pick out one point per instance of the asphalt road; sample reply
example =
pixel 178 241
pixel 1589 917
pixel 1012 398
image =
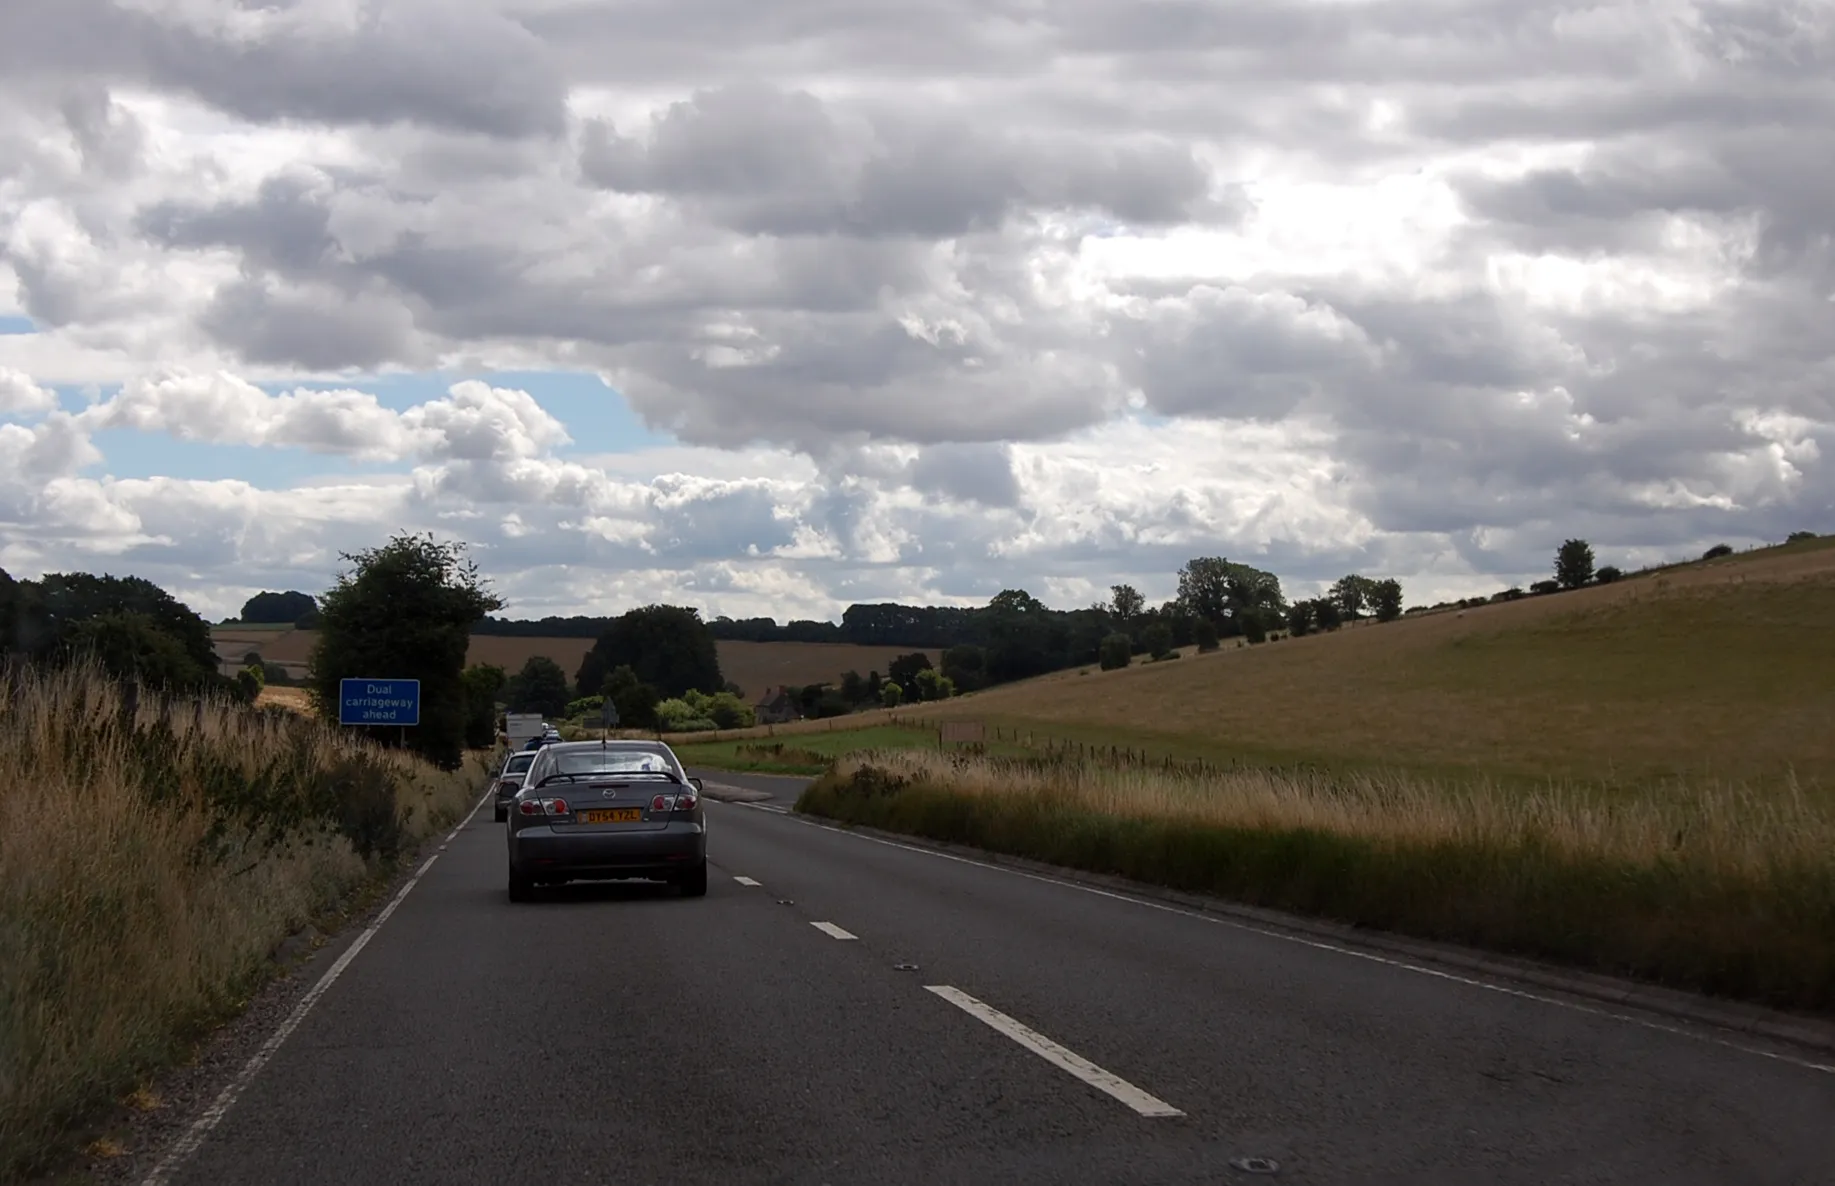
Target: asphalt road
pixel 618 1034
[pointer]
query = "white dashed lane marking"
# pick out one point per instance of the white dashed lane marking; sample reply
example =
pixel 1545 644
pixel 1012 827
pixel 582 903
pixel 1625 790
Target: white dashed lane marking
pixel 833 931
pixel 745 881
pixel 1057 1055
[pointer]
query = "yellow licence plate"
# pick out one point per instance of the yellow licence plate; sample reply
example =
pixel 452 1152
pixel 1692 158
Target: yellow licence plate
pixel 612 815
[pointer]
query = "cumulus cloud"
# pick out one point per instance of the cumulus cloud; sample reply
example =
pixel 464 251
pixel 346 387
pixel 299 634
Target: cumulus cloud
pixel 934 299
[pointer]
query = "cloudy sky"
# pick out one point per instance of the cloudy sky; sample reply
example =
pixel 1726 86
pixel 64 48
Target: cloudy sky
pixel 770 308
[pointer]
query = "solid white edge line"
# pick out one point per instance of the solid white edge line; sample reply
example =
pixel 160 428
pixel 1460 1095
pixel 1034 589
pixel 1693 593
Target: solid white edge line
pixel 833 931
pixel 1321 945
pixel 744 880
pixel 200 1128
pixel 1058 1056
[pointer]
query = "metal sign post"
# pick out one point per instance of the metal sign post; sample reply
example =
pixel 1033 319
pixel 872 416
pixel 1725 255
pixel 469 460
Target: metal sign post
pixel 608 716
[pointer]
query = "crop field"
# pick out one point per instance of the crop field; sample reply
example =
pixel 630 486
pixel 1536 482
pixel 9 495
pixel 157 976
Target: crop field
pixel 1716 672
pixel 754 666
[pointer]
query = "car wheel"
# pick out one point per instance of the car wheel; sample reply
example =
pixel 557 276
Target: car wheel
pixel 521 888
pixel 694 882
pixel 502 813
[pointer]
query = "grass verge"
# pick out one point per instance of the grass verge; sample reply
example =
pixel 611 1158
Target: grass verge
pixel 1710 888
pixel 152 856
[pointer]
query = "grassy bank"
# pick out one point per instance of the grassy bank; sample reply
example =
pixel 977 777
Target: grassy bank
pixel 1713 888
pixel 151 860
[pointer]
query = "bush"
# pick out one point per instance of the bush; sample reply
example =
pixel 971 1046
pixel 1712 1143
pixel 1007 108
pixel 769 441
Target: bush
pixel 585 706
pixel 1159 640
pixel 1204 633
pixel 1717 551
pixel 1607 574
pixel 1115 652
pixel 1542 587
pixel 891 695
pixel 1797 537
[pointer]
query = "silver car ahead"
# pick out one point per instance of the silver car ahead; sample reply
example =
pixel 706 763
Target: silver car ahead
pixel 509 780
pixel 593 810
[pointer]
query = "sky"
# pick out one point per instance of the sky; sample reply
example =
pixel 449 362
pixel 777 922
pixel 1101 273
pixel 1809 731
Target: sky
pixel 773 308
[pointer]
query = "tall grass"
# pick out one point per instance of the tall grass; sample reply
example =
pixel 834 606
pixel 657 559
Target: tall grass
pixel 1713 888
pixel 151 857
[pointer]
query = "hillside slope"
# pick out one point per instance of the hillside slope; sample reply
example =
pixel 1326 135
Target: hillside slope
pixel 1724 669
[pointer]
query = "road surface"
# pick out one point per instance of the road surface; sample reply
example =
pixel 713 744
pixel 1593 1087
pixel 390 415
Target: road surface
pixel 842 1010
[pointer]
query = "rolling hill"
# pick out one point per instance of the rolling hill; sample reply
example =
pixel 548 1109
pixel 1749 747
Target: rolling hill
pixel 1722 669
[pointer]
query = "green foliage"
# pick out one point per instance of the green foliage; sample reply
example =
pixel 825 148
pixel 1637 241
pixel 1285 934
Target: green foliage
pixel 1542 588
pixel 1255 627
pixel 696 711
pixel 1574 564
pixel 1117 650
pixel 1717 551
pixel 1204 633
pixel 1126 604
pixel 275 676
pixel 585 706
pixel 404 611
pixel 635 700
pixel 481 683
pixel 1158 638
pixel 1607 574
pixel 1352 595
pixel 1220 590
pixel 1326 615
pixel 248 684
pixel 1797 537
pixel 934 685
pixel 1385 599
pixel 904 669
pixel 1300 618
pixel 965 664
pixel 667 646
pixel 891 695
pixel 131 645
pixel 541 686
pixel 275 608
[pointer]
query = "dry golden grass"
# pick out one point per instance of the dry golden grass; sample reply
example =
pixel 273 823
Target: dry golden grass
pixel 296 699
pixel 1708 886
pixel 754 666
pixel 115 942
pixel 1716 671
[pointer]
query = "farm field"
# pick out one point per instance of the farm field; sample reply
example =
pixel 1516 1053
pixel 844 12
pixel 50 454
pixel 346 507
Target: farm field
pixel 1713 672
pixel 754 666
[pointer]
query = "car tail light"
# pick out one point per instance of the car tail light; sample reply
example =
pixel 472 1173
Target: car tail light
pixel 542 807
pixel 529 807
pixel 660 803
pixel 555 806
pixel 685 801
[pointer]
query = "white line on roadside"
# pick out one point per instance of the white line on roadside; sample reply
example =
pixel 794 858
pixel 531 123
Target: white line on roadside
pixel 833 931
pixel 745 881
pixel 213 1115
pixel 1058 1056
pixel 1321 945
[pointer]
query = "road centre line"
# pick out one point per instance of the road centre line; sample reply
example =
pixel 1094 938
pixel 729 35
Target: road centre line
pixel 1058 1056
pixel 1321 945
pixel 193 1137
pixel 833 931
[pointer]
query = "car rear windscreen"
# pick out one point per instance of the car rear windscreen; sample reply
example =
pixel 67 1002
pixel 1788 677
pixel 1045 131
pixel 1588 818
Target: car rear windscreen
pixel 519 763
pixel 611 762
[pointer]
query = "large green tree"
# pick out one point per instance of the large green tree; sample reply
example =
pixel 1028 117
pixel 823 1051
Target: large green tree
pixel 668 647
pixel 404 611
pixel 274 608
pixel 1385 599
pixel 1224 591
pixel 541 686
pixel 482 683
pixel 1574 564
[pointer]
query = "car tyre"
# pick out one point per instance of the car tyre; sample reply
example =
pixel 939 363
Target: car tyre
pixel 502 813
pixel 521 887
pixel 694 882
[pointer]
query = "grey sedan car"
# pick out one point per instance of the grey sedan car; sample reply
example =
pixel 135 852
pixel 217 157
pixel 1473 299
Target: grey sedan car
pixel 509 780
pixel 596 810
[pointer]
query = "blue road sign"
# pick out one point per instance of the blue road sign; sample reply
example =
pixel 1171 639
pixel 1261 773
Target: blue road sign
pixel 379 702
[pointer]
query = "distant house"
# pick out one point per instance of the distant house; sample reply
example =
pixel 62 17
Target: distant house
pixel 777 707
